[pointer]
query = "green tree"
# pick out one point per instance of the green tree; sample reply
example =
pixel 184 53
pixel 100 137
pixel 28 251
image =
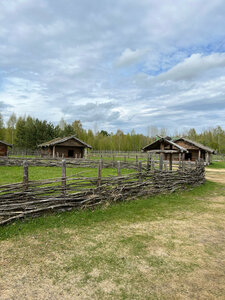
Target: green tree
pixel 2 129
pixel 11 128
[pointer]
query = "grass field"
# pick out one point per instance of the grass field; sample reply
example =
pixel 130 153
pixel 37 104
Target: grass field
pixel 15 174
pixel 217 165
pixel 164 247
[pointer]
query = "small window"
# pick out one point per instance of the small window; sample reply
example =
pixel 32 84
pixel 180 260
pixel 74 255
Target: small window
pixel 188 156
pixel 70 153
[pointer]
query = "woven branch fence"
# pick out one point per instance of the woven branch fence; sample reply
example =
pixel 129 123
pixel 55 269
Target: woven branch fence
pixel 72 163
pixel 35 198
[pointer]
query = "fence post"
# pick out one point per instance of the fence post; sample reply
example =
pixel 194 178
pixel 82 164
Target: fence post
pixel 189 163
pixel 149 162
pixel 165 166
pixel 63 176
pixel 113 164
pixel 140 171
pixel 25 175
pixel 171 161
pixel 161 161
pixel 183 161
pixel 136 160
pixel 153 165
pixel 99 173
pixel 179 160
pixel 125 159
pixel 118 169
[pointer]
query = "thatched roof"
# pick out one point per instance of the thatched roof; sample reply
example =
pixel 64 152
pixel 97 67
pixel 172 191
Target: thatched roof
pixel 7 144
pixel 198 145
pixel 57 141
pixel 156 145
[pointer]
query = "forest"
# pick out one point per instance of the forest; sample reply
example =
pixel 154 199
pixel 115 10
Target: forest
pixel 28 132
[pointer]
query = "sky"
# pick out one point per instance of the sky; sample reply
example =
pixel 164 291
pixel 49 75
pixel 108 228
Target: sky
pixel 118 64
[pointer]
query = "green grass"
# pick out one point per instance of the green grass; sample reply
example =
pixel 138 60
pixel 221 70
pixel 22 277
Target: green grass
pixel 143 209
pixel 217 165
pixel 15 174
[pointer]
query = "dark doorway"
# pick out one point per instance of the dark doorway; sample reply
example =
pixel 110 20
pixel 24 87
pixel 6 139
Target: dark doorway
pixel 70 153
pixel 188 156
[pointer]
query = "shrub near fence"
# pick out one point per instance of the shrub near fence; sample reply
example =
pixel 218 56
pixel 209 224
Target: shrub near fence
pixel 35 198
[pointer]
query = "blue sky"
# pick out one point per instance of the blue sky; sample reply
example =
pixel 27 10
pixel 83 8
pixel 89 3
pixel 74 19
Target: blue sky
pixel 118 64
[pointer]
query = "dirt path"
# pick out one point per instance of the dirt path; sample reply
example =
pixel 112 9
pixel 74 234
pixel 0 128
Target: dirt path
pixel 215 175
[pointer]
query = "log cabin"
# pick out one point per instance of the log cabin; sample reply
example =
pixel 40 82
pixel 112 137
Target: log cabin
pixel 4 148
pixel 196 151
pixel 68 147
pixel 166 148
pixel 191 150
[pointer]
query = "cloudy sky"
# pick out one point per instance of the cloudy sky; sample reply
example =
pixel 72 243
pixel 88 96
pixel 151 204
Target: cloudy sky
pixel 115 63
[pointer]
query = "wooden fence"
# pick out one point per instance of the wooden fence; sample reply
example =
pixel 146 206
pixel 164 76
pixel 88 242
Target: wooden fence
pixel 35 198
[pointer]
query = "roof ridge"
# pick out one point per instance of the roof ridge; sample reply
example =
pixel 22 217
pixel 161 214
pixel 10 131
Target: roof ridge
pixel 61 140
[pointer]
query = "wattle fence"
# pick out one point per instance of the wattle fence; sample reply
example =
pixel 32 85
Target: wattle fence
pixel 35 198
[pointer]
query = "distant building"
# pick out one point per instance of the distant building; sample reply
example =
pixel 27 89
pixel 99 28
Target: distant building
pixel 4 148
pixel 195 150
pixel 171 148
pixel 68 147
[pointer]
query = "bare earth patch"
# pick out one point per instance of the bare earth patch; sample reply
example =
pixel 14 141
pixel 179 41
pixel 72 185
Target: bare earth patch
pixel 181 257
pixel 216 175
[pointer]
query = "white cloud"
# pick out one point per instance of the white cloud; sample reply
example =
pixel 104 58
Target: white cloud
pixel 129 57
pixel 194 66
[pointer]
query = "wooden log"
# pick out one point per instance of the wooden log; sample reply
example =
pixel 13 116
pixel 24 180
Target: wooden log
pixel 153 165
pixel 149 162
pixel 118 169
pixel 25 175
pixel 180 161
pixel 158 151
pixel 170 161
pixel 63 177
pixel 165 166
pixel 53 152
pixel 189 163
pixel 113 161
pixel 161 161
pixel 199 154
pixel 99 173
pixel 140 171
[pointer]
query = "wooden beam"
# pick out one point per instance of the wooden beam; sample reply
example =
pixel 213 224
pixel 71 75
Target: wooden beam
pixel 164 151
pixel 199 154
pixel 53 152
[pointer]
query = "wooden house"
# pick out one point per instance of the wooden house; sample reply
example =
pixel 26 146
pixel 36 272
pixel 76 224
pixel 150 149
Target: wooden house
pixel 4 148
pixel 195 150
pixel 171 148
pixel 67 147
pixel 166 148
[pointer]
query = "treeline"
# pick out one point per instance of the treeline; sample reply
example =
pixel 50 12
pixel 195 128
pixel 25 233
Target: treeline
pixel 27 133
